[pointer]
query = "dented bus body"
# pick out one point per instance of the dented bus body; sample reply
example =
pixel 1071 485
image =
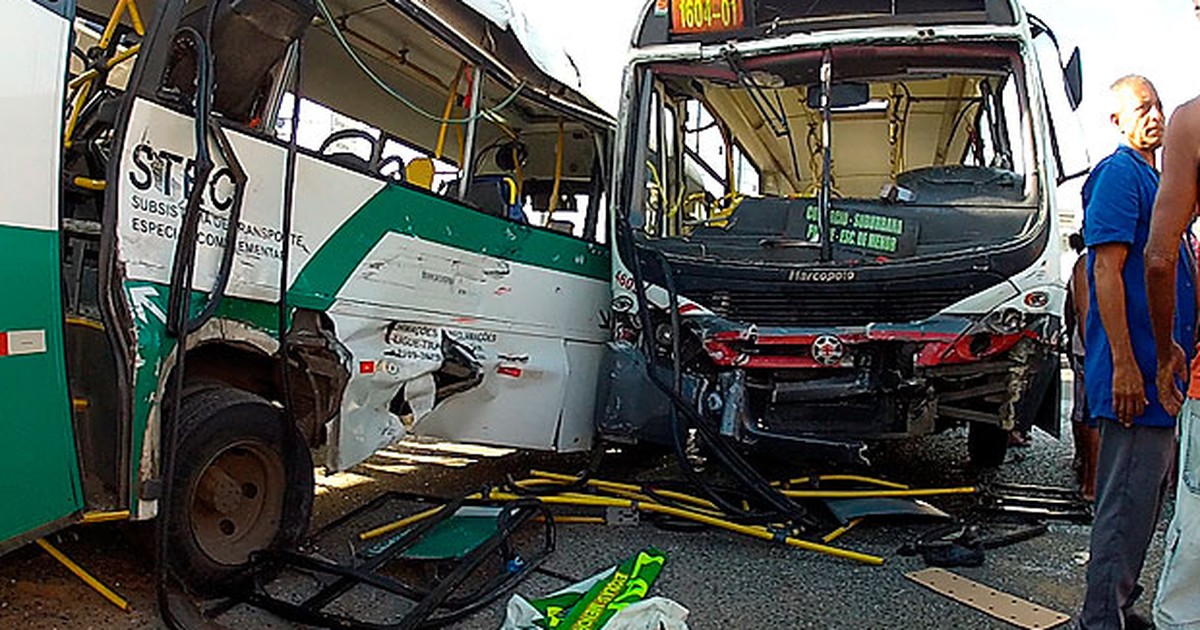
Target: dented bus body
pixel 393 223
pixel 873 251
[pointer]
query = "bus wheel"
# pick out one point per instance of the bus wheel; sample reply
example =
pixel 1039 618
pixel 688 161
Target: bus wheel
pixel 235 489
pixel 987 444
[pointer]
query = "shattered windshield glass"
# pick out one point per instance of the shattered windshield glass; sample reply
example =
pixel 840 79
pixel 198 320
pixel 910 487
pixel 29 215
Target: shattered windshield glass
pixel 928 151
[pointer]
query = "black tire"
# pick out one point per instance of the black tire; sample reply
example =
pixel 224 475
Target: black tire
pixel 987 444
pixel 237 487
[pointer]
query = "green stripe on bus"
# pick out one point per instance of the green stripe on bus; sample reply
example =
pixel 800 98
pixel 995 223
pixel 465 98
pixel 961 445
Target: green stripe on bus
pixel 420 215
pixel 38 465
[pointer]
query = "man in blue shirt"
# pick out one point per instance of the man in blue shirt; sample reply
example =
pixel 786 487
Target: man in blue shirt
pixel 1136 432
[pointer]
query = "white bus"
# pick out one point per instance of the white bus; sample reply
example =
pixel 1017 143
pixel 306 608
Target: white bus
pixel 872 248
pixel 188 324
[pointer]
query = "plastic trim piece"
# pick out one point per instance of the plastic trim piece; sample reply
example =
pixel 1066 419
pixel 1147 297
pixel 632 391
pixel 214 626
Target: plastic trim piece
pixel 998 604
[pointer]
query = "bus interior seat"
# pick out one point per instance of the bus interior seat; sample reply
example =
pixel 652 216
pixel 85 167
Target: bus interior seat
pixel 420 172
pixel 349 160
pixel 496 195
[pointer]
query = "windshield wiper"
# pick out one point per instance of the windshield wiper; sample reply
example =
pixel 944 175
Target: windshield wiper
pixel 773 114
pixel 787 243
pixel 776 119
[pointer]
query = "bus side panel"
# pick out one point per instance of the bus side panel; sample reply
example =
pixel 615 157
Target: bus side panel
pixel 39 475
pixel 461 325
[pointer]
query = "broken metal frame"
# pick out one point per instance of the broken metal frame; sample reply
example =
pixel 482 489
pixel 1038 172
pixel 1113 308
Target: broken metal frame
pixel 1037 501
pixel 513 516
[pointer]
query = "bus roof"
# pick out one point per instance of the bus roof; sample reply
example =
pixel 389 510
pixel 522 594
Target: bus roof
pixel 495 33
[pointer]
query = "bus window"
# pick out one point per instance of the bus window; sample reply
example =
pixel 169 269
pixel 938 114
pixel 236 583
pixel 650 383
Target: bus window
pixel 933 130
pixel 745 174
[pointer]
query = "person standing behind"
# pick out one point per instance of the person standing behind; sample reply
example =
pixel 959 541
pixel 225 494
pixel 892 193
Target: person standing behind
pixel 1177 604
pixel 1136 433
pixel 1086 435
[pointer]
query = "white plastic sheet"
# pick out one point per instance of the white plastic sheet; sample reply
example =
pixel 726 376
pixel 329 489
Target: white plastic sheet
pixel 545 50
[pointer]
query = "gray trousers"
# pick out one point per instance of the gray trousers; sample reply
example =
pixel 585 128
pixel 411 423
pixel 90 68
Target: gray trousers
pixel 1130 478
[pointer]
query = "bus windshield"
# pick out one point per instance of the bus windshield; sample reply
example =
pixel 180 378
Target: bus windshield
pixel 928 151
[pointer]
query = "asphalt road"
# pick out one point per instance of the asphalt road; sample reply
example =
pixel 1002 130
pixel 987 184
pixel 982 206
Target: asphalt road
pixel 725 580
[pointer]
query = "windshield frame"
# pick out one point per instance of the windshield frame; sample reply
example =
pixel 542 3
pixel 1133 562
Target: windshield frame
pixel 1023 71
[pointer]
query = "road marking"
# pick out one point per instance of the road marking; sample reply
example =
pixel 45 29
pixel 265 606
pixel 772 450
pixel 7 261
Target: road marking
pixel 142 299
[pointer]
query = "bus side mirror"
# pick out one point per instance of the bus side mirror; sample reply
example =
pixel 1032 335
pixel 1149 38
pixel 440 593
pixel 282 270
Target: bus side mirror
pixel 1073 78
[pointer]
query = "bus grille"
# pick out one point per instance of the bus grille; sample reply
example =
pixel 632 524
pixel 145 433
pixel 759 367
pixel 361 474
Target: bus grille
pixel 828 305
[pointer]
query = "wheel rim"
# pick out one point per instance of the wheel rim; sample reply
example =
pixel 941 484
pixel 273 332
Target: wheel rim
pixel 237 502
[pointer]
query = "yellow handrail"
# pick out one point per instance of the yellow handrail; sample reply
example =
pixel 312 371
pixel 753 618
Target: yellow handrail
pixel 450 96
pixel 558 159
pixel 86 80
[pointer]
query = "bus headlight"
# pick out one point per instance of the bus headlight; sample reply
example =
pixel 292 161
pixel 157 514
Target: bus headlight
pixel 1006 322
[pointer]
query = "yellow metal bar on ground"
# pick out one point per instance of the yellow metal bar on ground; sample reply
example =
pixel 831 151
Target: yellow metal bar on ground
pixel 599 483
pixel 105 517
pixel 575 520
pixel 400 524
pixel 96 585
pixel 406 521
pixel 871 480
pixel 604 489
pixel 753 531
pixel 90 184
pixel 835 534
pixel 860 494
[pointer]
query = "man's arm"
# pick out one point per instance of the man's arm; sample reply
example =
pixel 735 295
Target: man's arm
pixel 1079 283
pixel 1173 210
pixel 1129 391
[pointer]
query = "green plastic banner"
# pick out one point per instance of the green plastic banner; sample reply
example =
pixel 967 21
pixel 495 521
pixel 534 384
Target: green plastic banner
pixel 627 584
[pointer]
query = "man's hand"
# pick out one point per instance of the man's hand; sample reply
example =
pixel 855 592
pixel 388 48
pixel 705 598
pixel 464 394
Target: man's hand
pixel 1172 368
pixel 1129 391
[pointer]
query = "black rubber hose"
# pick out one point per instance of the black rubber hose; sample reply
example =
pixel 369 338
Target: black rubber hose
pixel 231 229
pixel 286 416
pixel 579 483
pixel 179 300
pixel 181 286
pixel 730 459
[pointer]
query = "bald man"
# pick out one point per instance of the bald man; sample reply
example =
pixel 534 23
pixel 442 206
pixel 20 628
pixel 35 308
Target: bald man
pixel 1137 433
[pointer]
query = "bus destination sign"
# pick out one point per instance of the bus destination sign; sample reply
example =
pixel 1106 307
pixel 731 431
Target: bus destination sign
pixel 706 16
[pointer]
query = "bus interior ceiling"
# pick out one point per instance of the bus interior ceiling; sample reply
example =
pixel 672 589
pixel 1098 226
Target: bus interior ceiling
pixel 410 51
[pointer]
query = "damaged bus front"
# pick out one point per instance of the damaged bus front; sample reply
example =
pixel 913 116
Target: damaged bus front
pixel 837 223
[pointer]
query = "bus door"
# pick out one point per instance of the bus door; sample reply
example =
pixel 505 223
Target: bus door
pixel 39 476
